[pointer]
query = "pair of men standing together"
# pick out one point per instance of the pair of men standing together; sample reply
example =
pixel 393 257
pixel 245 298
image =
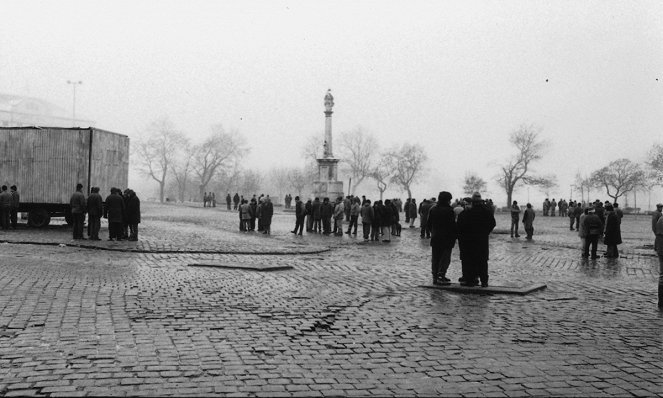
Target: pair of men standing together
pixel 474 225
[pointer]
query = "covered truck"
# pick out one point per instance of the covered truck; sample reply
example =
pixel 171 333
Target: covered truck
pixel 46 163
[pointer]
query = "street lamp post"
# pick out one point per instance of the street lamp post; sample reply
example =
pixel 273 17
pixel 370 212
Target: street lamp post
pixel 74 84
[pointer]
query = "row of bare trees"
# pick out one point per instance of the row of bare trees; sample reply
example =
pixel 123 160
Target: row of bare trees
pixel 165 153
pixel 617 178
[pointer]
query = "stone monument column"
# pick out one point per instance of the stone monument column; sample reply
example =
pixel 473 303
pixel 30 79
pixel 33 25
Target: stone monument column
pixel 327 185
pixel 329 104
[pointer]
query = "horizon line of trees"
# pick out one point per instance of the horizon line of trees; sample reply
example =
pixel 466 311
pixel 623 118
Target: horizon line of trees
pixel 186 170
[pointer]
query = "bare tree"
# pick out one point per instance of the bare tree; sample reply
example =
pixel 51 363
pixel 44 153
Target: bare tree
pixel 655 162
pixel 518 169
pixel 311 151
pixel 182 167
pixel 381 174
pixel 251 182
pixel 408 163
pixel 473 183
pixel 279 179
pixel 230 178
pixel 618 177
pixel 297 180
pixel 358 151
pixel 544 184
pixel 157 151
pixel 219 151
pixel 583 183
pixel 651 180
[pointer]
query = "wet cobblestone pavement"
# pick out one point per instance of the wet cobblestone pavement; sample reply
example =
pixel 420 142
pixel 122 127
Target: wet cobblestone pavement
pixel 350 318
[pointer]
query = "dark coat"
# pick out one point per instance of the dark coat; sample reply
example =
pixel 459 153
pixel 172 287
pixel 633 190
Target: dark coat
pixel 442 224
pixel 386 216
pixel 300 209
pixel 613 233
pixel 77 201
pixel 424 209
pixel 114 209
pixel 592 224
pixel 367 214
pixel 95 206
pixel 412 209
pixel 316 210
pixel 326 210
pixel 474 226
pixel 267 213
pixel 133 210
pixel 394 213
pixel 377 215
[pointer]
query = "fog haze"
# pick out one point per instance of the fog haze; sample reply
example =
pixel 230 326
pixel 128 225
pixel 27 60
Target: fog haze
pixel 457 77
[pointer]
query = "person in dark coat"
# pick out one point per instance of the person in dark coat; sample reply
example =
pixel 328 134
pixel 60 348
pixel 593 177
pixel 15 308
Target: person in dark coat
pixel 267 213
pixel 5 208
pixel 592 226
pixel 423 213
pixel 228 200
pixel 78 208
pixel 475 224
pixel 253 212
pixel 413 210
pixel 115 213
pixel 95 209
pixel 16 200
pixel 236 200
pixel 125 224
pixel 386 217
pixel 326 211
pixel 133 214
pixel 406 210
pixel 613 233
pixel 317 216
pixel 395 218
pixel 377 221
pixel 367 215
pixel 528 221
pixel 308 209
pixel 300 215
pixel 441 223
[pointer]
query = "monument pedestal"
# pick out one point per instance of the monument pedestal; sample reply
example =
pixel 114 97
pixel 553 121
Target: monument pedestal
pixel 327 189
pixel 327 185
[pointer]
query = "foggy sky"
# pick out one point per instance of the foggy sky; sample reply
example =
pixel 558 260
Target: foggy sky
pixel 457 77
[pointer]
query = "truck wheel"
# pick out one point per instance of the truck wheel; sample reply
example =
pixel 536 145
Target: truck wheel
pixel 69 219
pixel 39 218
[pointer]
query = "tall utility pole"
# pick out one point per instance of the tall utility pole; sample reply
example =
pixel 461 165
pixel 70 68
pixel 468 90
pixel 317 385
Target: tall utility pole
pixel 74 84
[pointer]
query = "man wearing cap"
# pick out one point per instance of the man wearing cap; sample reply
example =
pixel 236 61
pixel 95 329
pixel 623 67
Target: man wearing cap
pixel 592 228
pixel 95 210
pixel 515 217
pixel 474 225
pixel 78 205
pixel 441 222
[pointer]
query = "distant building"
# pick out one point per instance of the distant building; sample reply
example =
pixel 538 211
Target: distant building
pixel 17 110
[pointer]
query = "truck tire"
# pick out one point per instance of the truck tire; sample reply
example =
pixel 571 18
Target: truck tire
pixel 68 218
pixel 39 218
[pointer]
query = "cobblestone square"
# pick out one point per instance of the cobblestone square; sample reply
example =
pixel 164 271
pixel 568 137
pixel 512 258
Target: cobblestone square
pixel 350 318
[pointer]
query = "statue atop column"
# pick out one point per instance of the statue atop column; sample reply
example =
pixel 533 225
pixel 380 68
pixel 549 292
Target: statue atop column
pixel 329 104
pixel 329 101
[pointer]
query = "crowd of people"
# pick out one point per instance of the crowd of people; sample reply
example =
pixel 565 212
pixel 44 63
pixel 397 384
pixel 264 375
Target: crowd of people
pixel 121 209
